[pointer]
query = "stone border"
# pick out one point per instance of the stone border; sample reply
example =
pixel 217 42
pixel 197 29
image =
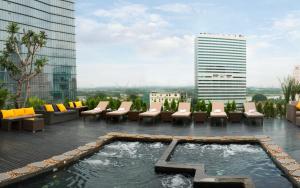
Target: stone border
pixel 284 162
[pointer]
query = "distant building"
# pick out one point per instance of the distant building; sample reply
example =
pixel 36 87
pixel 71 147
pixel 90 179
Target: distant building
pixel 162 96
pixel 220 67
pixel 296 73
pixel 57 19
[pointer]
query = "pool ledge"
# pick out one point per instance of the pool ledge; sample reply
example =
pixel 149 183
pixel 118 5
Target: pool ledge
pixel 284 162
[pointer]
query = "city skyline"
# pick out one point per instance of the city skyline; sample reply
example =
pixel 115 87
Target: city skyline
pixel 140 43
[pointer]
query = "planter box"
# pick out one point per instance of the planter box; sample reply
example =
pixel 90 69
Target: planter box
pixel 235 116
pixel 133 115
pixel 166 116
pixel 200 116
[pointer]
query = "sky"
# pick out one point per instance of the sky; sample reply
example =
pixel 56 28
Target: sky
pixel 151 43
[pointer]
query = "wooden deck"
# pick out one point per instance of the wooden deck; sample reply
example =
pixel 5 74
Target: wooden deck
pixel 18 148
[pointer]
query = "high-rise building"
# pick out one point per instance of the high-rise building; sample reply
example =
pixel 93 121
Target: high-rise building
pixel 220 67
pixel 56 18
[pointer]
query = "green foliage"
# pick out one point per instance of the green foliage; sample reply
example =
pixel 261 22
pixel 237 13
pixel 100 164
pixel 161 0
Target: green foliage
pixel 3 96
pixel 290 87
pixel 166 105
pixel 144 107
pixel 209 107
pixel 173 106
pixel 233 106
pixel 259 107
pixel 272 108
pixel 228 107
pixel 200 106
pixel 259 98
pixel 114 103
pixel 137 104
pixel 35 102
pixel 93 101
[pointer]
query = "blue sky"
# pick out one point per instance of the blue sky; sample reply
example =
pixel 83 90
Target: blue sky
pixel 146 43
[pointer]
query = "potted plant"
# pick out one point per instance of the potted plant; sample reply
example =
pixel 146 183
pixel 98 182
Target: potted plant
pixel 166 114
pixel 233 113
pixel 200 111
pixel 136 109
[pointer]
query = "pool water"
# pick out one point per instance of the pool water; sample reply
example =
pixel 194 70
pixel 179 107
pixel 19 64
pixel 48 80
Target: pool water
pixel 233 159
pixel 119 164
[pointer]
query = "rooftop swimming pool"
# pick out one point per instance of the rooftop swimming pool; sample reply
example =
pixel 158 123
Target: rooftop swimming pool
pixel 131 164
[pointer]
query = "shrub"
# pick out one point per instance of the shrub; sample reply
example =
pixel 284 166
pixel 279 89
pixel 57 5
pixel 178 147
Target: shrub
pixel 259 107
pixel 200 106
pixel 209 107
pixel 228 107
pixel 233 106
pixel 35 102
pixel 114 103
pixel 137 104
pixel 173 106
pixel 166 105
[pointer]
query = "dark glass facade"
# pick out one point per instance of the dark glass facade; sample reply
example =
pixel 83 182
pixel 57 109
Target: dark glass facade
pixel 56 18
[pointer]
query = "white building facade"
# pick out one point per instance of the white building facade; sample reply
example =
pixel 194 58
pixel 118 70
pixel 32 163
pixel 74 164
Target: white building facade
pixel 220 67
pixel 162 96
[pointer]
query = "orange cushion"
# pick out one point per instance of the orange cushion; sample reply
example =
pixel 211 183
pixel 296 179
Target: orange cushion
pixel 61 107
pixel 29 111
pixel 18 112
pixel 71 104
pixel 7 113
pixel 78 104
pixel 49 108
pixel 298 106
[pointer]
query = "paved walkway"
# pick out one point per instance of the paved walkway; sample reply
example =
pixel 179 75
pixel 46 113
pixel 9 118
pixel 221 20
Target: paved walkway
pixel 18 148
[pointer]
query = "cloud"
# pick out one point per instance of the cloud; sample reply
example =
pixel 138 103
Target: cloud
pixel 175 8
pixel 289 25
pixel 131 45
pixel 124 12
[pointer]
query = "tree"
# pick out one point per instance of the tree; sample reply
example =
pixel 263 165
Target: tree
pixel 259 98
pixel 19 58
pixel 166 105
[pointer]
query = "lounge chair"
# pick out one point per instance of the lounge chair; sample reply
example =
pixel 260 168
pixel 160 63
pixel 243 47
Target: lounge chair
pixel 153 112
pixel 218 113
pixel 121 112
pixel 183 112
pixel 100 109
pixel 251 112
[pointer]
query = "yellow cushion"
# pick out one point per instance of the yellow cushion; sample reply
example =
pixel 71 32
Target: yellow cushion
pixel 29 111
pixel 7 113
pixel 61 107
pixel 49 108
pixel 18 112
pixel 78 104
pixel 71 104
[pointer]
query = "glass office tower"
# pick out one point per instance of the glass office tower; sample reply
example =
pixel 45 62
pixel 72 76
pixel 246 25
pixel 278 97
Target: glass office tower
pixel 56 18
pixel 220 67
